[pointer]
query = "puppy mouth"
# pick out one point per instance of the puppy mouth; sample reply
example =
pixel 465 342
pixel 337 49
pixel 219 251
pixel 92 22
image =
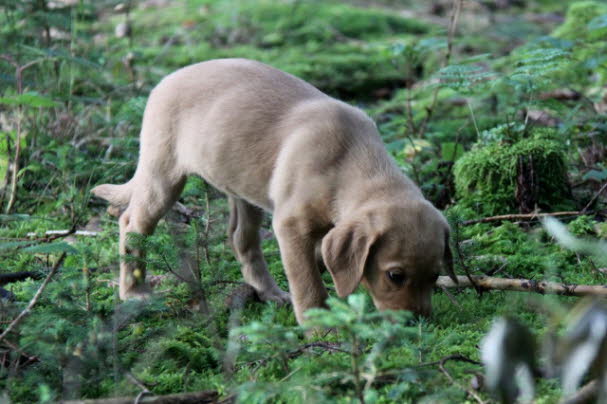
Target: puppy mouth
pixel 418 311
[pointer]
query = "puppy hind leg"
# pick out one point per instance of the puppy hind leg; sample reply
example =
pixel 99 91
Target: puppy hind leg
pixel 148 205
pixel 232 222
pixel 243 231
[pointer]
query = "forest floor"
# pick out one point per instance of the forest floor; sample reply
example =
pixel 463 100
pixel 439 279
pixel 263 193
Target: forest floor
pixel 441 82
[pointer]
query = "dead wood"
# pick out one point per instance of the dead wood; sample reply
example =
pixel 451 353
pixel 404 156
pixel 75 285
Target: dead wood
pixel 65 233
pixel 524 285
pixel 18 276
pixel 521 217
pixel 197 397
pixel 34 300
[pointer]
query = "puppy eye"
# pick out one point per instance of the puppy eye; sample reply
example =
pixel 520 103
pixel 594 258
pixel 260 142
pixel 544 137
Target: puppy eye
pixel 397 277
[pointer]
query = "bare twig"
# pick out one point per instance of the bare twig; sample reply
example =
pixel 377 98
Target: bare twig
pixel 594 198
pixel 330 347
pixel 451 297
pixel 34 300
pixel 454 357
pixel 457 7
pixel 444 370
pixel 394 376
pixel 524 285
pixel 19 69
pixel 15 348
pixel 521 216
pixel 144 390
pixel 462 262
pixel 202 397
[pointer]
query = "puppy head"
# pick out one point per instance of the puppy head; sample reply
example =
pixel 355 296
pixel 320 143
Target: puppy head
pixel 397 252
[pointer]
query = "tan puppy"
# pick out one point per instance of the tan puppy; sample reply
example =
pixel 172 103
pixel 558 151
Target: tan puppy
pixel 273 142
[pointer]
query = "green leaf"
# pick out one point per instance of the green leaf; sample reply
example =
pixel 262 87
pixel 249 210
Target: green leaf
pixel 463 77
pixel 598 22
pixel 595 175
pixel 31 99
pixel 60 54
pixel 11 245
pixel 51 248
pixel 14 217
pixel 451 151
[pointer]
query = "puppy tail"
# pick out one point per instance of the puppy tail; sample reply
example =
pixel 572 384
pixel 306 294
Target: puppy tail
pixel 117 195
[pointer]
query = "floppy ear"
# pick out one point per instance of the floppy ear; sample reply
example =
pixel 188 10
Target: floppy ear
pixel 448 260
pixel 344 251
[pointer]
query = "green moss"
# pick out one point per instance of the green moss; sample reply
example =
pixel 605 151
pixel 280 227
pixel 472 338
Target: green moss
pixel 486 177
pixel 579 15
pixel 273 23
pixel 342 49
pixel 586 25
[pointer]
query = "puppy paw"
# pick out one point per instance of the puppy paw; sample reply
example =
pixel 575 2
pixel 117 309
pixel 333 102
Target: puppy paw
pixel 275 295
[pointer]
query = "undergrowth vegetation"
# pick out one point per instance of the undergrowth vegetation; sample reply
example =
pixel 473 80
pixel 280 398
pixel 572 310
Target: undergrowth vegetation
pixel 492 108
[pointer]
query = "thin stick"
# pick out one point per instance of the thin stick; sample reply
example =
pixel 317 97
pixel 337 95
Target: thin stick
pixel 201 397
pixel 451 297
pixel 462 262
pixel 521 216
pixel 523 285
pixel 594 198
pixel 34 300
pixel 19 69
pixel 444 370
pixel 457 6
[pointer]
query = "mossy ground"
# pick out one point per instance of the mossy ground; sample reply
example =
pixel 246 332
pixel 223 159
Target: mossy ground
pixel 86 341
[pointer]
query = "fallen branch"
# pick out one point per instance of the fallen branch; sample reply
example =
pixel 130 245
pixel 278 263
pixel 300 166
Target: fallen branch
pixel 524 285
pixel 521 216
pixel 34 300
pixel 17 276
pixel 199 397
pixel 50 236
pixel 64 233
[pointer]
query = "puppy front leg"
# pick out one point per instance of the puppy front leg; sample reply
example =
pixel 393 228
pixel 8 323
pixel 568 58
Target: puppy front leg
pixel 243 233
pixel 148 204
pixel 297 252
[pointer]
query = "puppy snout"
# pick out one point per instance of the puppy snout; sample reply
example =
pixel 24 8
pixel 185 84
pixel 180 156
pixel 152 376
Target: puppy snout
pixel 422 308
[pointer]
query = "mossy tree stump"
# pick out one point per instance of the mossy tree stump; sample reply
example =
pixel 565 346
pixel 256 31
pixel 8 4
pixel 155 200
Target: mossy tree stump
pixel 501 177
